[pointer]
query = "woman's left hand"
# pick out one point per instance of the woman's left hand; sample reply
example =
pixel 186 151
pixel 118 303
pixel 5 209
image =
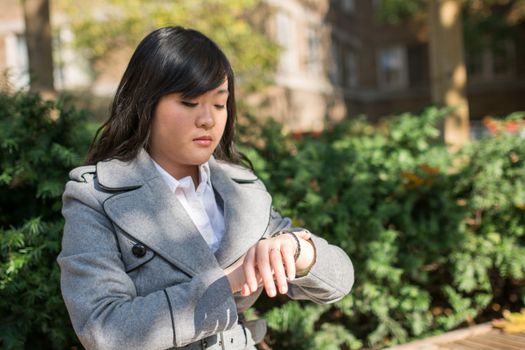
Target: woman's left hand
pixel 272 261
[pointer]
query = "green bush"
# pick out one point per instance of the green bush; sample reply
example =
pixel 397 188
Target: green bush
pixel 40 142
pixel 437 240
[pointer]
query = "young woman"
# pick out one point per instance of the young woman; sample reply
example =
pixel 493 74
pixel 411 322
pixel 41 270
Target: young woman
pixel 167 239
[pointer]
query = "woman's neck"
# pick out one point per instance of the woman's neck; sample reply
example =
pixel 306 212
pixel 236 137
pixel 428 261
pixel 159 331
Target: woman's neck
pixel 180 171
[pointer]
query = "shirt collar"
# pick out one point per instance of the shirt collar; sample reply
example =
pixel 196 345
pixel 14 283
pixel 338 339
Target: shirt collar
pixel 173 183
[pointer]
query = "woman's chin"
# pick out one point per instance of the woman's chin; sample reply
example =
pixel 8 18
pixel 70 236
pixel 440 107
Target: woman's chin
pixel 201 158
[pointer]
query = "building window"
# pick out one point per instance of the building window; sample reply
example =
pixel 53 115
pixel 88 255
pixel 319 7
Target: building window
pixel 17 63
pixel 313 60
pixel 502 59
pixel 417 59
pixel 336 64
pixel 392 67
pixel 348 5
pixel 285 38
pixel 475 64
pixel 497 61
pixel 72 70
pixel 352 71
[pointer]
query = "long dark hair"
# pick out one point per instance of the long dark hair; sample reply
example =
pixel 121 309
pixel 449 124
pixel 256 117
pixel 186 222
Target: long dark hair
pixel 168 60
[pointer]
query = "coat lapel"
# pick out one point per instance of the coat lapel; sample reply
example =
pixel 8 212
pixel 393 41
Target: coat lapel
pixel 151 214
pixel 246 210
pixel 145 208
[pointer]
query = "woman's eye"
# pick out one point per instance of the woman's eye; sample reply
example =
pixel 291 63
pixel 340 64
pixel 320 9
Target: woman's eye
pixel 189 104
pixel 219 106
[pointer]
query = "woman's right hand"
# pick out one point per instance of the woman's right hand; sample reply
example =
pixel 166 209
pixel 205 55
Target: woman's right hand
pixel 236 277
pixel 271 262
pixel 258 267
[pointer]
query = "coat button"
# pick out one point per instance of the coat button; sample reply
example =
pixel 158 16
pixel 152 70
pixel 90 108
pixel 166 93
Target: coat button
pixel 139 250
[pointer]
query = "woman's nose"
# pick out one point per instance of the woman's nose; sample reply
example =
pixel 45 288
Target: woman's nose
pixel 206 119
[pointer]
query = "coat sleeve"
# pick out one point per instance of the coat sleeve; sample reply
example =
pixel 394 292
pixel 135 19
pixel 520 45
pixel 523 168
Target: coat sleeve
pixel 101 298
pixel 330 278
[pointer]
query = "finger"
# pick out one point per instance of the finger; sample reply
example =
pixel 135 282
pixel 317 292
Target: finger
pixel 287 251
pixel 250 275
pixel 263 265
pixel 260 280
pixel 278 270
pixel 245 291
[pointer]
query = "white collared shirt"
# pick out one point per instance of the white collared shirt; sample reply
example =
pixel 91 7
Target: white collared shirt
pixel 200 204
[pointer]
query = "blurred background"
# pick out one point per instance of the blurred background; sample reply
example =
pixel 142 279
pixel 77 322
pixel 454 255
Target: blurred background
pixel 302 62
pixel 413 108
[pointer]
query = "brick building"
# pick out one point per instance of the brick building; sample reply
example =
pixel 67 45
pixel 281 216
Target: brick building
pixel 377 69
pixel 338 61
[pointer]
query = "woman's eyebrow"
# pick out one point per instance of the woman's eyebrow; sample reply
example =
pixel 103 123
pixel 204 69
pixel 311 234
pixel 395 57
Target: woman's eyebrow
pixel 222 91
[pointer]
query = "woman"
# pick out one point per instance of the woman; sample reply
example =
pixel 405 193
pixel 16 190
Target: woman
pixel 167 240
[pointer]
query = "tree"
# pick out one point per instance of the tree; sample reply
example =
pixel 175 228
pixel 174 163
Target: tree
pixel 448 71
pixel 39 47
pixel 124 22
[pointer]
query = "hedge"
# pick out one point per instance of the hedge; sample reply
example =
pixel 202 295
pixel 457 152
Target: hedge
pixel 437 240
pixel 40 142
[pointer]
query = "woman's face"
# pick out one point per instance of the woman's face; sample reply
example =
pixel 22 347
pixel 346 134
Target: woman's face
pixel 185 132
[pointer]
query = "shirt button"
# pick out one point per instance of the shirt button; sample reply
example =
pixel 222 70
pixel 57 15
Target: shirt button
pixel 139 250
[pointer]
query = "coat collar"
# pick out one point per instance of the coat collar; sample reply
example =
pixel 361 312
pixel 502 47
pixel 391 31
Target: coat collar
pixel 145 209
pixel 117 175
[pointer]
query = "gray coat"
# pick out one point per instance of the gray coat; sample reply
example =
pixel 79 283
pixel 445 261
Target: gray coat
pixel 170 290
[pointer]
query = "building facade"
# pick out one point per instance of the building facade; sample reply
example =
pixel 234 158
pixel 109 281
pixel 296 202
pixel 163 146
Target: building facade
pixel 338 61
pixel 340 52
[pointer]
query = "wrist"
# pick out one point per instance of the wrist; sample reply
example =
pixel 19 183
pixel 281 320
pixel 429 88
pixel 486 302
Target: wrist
pixel 295 235
pixel 307 258
pixel 235 278
pixel 305 253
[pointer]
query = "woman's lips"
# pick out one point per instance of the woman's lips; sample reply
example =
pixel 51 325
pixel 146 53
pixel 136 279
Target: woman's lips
pixel 203 141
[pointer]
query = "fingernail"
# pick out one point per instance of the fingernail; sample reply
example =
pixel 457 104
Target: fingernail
pixel 271 292
pixel 283 290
